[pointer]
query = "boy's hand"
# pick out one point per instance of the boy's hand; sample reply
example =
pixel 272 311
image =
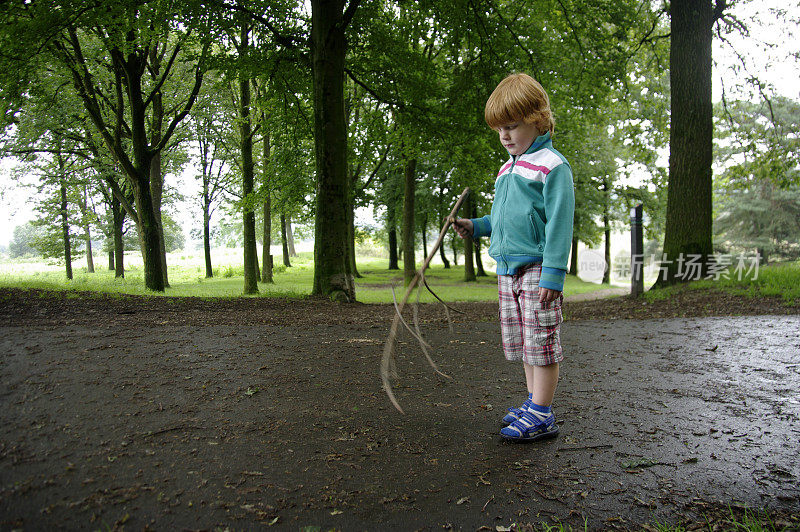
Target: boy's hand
pixel 547 295
pixel 462 226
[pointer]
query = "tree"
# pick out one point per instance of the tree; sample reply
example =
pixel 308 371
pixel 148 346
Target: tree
pixel 247 167
pixel 688 228
pixel 113 53
pixel 329 20
pixel 23 241
pixel 757 196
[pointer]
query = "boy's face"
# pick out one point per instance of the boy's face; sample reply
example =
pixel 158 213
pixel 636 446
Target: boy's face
pixel 517 136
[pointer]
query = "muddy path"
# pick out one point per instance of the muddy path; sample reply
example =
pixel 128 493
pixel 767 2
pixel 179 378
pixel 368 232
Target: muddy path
pixel 141 413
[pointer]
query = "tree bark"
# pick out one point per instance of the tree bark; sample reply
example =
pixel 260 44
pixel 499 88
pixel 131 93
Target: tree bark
pixel 424 235
pixel 207 236
pixel 87 231
pixel 688 221
pixel 391 225
pixel 65 218
pixel 409 189
pixel 290 235
pixel 157 183
pixel 118 215
pixel 284 242
pixel 469 265
pixel 139 175
pixel 478 261
pixel 246 146
pixel 328 49
pixel 442 254
pixel 607 230
pixel 266 246
pixel 444 257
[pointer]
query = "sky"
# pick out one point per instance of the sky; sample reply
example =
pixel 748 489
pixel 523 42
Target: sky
pixel 766 52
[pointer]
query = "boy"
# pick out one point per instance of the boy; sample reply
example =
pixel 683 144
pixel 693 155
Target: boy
pixel 531 229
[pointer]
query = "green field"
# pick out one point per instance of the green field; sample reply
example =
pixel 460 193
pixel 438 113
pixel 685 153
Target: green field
pixel 187 278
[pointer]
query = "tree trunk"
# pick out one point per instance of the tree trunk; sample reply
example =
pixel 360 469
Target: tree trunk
pixel 156 191
pixel 480 272
pixel 469 266
pixel 607 255
pixel 246 142
pixel 290 236
pixel 328 49
pixel 89 257
pixel 207 236
pixel 688 220
pixel 139 175
pixel 65 219
pixel 266 251
pixel 607 230
pixel 478 261
pixel 284 242
pixel 409 188
pixel 118 214
pixel 454 246
pixel 87 232
pixel 156 175
pixel 424 235
pixel 148 236
pixel 111 260
pixel 206 196
pixel 441 248
pixel 444 257
pixel 391 223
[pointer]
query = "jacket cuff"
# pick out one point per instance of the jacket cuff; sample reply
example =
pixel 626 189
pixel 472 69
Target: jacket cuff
pixel 481 227
pixel 552 278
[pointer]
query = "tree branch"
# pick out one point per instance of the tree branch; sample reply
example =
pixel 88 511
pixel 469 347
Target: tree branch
pixel 198 81
pixel 349 13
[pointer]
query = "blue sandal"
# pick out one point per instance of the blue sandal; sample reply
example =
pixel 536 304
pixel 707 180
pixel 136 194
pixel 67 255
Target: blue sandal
pixel 515 413
pixel 530 428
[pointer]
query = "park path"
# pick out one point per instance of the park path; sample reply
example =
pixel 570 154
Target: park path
pixel 243 426
pixel 598 294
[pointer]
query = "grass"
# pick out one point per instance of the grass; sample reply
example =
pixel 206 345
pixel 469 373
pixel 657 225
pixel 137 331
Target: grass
pixel 779 280
pixel 187 278
pixel 736 518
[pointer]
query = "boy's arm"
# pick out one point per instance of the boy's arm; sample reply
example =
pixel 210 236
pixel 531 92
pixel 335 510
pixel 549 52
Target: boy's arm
pixel 481 226
pixel 559 208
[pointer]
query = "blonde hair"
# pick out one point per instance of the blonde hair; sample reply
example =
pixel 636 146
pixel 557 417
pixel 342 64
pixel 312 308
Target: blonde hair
pixel 519 97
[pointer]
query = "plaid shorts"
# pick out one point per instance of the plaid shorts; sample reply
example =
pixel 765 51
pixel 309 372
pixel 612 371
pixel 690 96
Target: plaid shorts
pixel 531 331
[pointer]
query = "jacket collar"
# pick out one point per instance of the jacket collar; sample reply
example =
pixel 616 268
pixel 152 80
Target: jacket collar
pixel 540 141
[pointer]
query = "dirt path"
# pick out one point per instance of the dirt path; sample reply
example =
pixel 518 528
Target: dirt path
pixel 597 294
pixel 136 414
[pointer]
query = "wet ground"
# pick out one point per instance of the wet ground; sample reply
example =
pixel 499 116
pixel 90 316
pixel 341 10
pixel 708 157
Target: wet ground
pixel 152 417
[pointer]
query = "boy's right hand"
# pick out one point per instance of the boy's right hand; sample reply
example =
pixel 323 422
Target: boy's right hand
pixel 463 226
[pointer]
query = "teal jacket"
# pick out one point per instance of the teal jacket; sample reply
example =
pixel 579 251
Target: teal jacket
pixel 531 217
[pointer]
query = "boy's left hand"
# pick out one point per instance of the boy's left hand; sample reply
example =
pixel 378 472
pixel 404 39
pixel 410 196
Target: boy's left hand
pixel 547 295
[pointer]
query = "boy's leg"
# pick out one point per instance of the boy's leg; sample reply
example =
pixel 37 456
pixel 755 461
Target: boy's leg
pixel 542 382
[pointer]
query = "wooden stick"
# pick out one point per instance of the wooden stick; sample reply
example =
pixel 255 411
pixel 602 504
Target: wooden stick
pixel 387 362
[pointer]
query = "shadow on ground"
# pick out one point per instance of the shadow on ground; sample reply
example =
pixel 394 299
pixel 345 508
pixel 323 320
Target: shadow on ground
pixel 151 414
